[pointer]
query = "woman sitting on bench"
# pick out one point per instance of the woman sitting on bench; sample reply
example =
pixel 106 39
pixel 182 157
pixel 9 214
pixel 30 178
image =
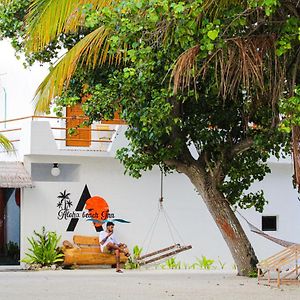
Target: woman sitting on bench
pixel 108 244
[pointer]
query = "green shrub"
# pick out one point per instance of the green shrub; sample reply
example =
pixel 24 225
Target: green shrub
pixel 132 262
pixel 44 249
pixel 171 263
pixel 203 263
pixel 221 264
pixel 253 273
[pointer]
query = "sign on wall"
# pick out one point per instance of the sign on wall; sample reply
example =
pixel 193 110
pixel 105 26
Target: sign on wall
pixel 87 208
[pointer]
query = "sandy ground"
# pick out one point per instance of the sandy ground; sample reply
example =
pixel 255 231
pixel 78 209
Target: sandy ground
pixel 135 284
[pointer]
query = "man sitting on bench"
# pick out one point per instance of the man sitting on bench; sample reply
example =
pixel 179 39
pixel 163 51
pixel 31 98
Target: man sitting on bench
pixel 108 244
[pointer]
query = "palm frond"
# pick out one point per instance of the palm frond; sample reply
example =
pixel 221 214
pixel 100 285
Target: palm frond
pixel 6 1
pixel 241 64
pixel 5 143
pixel 47 19
pixel 185 68
pixel 91 51
pixel 214 7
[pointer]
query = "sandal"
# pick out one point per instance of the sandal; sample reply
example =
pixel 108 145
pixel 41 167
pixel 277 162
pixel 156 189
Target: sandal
pixel 119 271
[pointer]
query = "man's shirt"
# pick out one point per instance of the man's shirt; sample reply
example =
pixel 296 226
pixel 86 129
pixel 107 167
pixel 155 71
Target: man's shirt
pixel 111 239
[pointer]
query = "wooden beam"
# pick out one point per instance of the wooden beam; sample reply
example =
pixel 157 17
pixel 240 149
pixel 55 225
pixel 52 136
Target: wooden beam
pixel 158 251
pixel 181 249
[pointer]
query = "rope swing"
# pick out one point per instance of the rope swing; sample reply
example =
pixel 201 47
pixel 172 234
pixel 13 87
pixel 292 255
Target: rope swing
pixel 167 251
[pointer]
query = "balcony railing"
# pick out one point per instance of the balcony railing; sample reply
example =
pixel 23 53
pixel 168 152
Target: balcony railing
pixel 100 134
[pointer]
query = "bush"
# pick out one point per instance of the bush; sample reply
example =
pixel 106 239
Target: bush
pixel 133 262
pixel 44 249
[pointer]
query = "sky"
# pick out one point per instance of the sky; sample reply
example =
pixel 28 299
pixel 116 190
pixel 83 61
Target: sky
pixel 17 84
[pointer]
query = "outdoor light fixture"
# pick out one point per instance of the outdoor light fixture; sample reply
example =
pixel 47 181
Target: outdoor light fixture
pixel 55 171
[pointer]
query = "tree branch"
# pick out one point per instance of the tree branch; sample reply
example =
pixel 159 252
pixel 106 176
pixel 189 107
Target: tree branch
pixel 241 147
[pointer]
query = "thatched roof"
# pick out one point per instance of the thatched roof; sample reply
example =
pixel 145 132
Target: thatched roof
pixel 14 175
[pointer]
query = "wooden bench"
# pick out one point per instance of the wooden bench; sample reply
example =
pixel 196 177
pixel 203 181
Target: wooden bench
pixel 285 264
pixel 85 250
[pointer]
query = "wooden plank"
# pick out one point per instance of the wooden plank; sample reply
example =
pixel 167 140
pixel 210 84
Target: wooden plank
pixel 82 240
pixel 286 260
pixel 281 259
pixel 258 275
pixel 291 272
pixel 274 257
pixel 90 250
pixel 79 257
pixel 278 278
pixel 158 251
pixel 8 130
pixel 96 130
pixel 181 249
pixel 79 138
pixel 270 261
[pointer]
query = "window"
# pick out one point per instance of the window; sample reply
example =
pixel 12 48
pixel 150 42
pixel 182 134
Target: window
pixel 269 223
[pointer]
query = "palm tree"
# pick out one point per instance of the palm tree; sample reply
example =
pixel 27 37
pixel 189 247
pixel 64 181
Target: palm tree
pixel 64 200
pixel 5 143
pixel 48 19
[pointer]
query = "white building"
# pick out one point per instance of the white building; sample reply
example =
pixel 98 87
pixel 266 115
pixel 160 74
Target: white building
pixel 92 170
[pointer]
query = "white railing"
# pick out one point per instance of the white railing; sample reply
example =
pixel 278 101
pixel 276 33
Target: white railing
pixel 101 135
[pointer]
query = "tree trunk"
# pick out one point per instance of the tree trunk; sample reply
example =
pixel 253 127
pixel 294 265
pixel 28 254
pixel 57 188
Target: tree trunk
pixel 230 227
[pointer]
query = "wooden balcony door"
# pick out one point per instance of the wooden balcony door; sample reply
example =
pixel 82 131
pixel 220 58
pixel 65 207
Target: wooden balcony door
pixel 82 137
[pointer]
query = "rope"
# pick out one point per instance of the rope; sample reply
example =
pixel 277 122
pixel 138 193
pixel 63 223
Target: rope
pixel 169 227
pixel 168 220
pixel 151 230
pixel 180 237
pixel 164 210
pixel 254 229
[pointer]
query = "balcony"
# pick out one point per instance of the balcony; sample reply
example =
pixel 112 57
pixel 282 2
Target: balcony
pixel 49 135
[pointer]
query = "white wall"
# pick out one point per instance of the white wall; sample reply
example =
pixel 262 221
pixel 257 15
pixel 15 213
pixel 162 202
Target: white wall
pixel 19 83
pixel 283 202
pixel 137 201
pixel 130 199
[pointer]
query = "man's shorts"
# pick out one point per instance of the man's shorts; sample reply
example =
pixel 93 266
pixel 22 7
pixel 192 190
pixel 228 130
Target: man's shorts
pixel 108 251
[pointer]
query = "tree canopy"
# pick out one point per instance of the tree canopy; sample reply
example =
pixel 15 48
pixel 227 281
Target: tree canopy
pixel 218 77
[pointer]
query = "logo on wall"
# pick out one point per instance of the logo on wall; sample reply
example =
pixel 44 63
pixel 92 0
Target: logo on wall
pixel 97 207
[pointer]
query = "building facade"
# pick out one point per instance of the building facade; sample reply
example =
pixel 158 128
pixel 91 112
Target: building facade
pixel 58 200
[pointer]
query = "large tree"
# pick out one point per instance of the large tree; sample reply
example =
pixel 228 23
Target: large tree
pixel 199 84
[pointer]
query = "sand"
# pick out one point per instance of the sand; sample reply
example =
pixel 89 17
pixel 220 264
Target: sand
pixel 136 284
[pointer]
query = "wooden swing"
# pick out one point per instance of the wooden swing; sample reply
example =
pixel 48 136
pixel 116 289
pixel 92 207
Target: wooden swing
pixel 166 252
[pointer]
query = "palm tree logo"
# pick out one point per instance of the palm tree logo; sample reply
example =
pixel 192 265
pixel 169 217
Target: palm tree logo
pixel 64 203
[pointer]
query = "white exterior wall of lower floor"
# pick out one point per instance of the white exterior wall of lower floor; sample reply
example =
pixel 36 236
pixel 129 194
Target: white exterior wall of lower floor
pixel 137 201
pixel 283 202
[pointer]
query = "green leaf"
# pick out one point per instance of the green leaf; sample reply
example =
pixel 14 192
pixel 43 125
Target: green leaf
pixel 213 34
